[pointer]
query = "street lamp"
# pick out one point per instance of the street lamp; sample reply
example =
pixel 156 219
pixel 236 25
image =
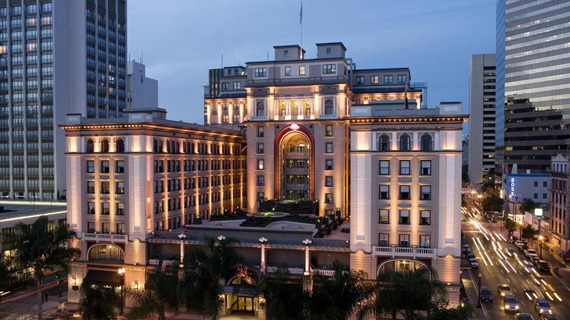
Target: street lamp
pixel 540 239
pixel 122 274
pixel 181 236
pixel 307 243
pixel 479 297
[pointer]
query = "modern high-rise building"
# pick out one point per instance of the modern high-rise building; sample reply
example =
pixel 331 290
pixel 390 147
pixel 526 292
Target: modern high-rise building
pixel 482 102
pixel 533 90
pixel 56 57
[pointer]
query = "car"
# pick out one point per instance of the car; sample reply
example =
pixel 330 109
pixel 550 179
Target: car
pixel 542 306
pixel 470 255
pixel 527 266
pixel 529 252
pixel 531 294
pixel 511 303
pixel 548 316
pixel 474 263
pixel 523 316
pixel 550 292
pixel 503 290
pixel 538 279
pixel 486 295
pixel 466 248
pixel 511 250
pixel 523 247
pixel 542 265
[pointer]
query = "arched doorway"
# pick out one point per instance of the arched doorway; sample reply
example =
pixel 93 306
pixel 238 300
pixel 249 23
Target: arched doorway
pixel 294 163
pixel 400 265
pixel 102 252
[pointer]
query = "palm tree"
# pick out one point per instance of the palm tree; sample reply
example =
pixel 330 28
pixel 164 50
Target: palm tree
pixel 98 302
pixel 465 312
pixel 337 297
pixel 510 226
pixel 42 249
pixel 285 296
pixel 159 297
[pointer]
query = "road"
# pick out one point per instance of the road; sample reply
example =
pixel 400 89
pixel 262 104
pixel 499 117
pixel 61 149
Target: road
pixel 498 266
pixel 26 308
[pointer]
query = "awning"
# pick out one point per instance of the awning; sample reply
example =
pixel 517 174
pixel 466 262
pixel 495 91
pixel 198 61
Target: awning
pixel 105 278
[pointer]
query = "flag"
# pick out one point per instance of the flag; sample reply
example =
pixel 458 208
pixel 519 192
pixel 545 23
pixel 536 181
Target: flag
pixel 301 14
pixel 406 96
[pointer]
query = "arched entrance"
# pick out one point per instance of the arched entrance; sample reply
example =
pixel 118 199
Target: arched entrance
pixel 400 265
pixel 294 163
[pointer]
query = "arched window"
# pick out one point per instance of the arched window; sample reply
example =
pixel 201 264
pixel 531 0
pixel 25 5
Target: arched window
pixel 292 147
pixel 260 109
pixel 301 147
pixel 384 143
pixel 404 142
pixel 295 109
pixel 105 145
pixel 328 107
pixel 155 146
pixel 106 252
pixel 89 146
pixel 120 145
pixel 427 144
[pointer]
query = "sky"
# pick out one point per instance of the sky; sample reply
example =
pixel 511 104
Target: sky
pixel 179 40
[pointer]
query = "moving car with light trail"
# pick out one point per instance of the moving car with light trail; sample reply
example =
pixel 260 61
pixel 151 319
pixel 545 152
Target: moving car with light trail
pixel 531 294
pixel 550 292
pixel 523 316
pixel 486 295
pixel 511 303
pixel 503 290
pixel 542 306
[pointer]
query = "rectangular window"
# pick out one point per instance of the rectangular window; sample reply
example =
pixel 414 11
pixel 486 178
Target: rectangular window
pixel 120 166
pixel 90 207
pixel 425 217
pixel 91 187
pixel 105 208
pixel 260 148
pixel 237 85
pixel 544 195
pixel 90 166
pixel 388 80
pixel 536 184
pixel 329 68
pixel 328 181
pixel 374 80
pixel 425 193
pixel 405 167
pixel 404 217
pixel 225 85
pixel 105 227
pixel 328 198
pixel 329 130
pixel 426 168
pixel 384 167
pixel 384 239
pixel 120 228
pixel 120 187
pixel 329 147
pixel 261 180
pixel 402 78
pixel 536 195
pixel 425 241
pixel 260 164
pixel 302 70
pixel 260 72
pixel 91 227
pixel 360 80
pixel 404 192
pixel 384 192
pixel 288 71
pixel 328 164
pixel 384 216
pixel 260 196
pixel 105 166
pixel 404 240
pixel 260 132
pixel 544 184
pixel 105 189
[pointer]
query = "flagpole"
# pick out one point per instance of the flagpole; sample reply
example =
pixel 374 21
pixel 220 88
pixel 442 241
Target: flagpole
pixel 301 22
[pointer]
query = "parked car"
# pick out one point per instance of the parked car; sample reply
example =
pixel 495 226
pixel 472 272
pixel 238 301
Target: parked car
pixel 523 316
pixel 466 248
pixel 542 265
pixel 486 295
pixel 504 289
pixel 470 255
pixel 511 250
pixel 474 263
pixel 548 316
pixel 542 306
pixel 531 294
pixel 529 252
pixel 511 303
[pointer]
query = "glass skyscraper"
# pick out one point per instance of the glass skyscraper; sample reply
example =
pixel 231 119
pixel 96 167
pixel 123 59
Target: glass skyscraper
pixel 533 82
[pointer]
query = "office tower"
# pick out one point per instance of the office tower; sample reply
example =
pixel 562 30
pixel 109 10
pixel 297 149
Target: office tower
pixel 533 92
pixel 131 177
pixel 142 92
pixel 56 57
pixel 482 117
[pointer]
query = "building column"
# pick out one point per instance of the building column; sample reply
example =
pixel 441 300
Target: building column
pixel 307 243
pixel 263 265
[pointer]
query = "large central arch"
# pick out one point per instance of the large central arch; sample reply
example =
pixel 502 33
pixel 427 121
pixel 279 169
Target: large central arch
pixel 279 149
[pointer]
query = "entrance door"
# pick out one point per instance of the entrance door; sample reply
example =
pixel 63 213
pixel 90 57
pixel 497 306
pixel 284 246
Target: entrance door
pixel 243 304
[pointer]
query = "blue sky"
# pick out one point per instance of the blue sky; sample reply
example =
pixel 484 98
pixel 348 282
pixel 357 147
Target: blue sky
pixel 182 39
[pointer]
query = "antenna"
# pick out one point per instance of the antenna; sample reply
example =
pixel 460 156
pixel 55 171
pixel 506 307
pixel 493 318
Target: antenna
pixel 222 59
pixel 267 54
pixel 142 57
pixel 301 23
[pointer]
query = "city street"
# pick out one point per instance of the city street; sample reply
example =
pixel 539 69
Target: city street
pixel 498 266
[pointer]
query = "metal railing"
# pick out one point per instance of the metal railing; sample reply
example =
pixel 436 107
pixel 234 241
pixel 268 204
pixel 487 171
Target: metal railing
pixel 105 237
pixel 403 251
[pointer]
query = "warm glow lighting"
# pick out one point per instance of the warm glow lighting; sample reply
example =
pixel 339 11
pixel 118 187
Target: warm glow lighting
pixel 121 271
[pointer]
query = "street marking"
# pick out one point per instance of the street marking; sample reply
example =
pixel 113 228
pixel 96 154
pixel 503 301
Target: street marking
pixel 477 290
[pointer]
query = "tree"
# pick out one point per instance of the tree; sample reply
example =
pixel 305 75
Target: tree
pixel 98 302
pixel 285 296
pixel 465 312
pixel 493 203
pixel 159 296
pixel 510 226
pixel 42 249
pixel 6 273
pixel 529 232
pixel 336 297
pixel 528 205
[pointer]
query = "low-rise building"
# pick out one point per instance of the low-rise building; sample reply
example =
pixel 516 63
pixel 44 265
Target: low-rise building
pixel 560 203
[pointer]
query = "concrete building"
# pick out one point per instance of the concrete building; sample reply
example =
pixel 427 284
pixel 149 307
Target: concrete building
pixel 135 176
pixel 482 78
pixel 560 203
pixel 56 57
pixel 533 92
pixel 520 186
pixel 142 92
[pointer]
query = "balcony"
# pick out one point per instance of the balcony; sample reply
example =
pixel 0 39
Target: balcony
pixel 403 252
pixel 296 170
pixel 296 186
pixel 105 237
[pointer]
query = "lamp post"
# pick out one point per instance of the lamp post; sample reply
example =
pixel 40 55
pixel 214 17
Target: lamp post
pixel 479 296
pixel 307 243
pixel 263 241
pixel 181 236
pixel 540 239
pixel 122 274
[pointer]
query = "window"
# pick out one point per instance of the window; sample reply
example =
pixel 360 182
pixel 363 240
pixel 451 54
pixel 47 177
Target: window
pixel 329 130
pixel 425 241
pixel 329 68
pixel 105 227
pixel 405 142
pixel 260 164
pixel 121 228
pixel 384 143
pixel 105 189
pixel 89 146
pixel 404 217
pixel 90 207
pixel 374 80
pixel 261 180
pixel 536 184
pixel 384 192
pixel 402 78
pixel 544 195
pixel 260 148
pixel 90 227
pixel 405 167
pixel 105 208
pixel 329 147
pixel 328 198
pixel 329 50
pixel 105 166
pixel 90 166
pixel 91 187
pixel 426 142
pixel 329 107
pixel 384 239
pixel 384 216
pixel 260 196
pixel 285 53
pixel 105 145
pixel 425 217
pixel 328 181
pixel 302 70
pixel 426 167
pixel 120 166
pixel 120 145
pixel 536 195
pixel 405 192
pixel 237 85
pixel 260 132
pixel 384 167
pixel 404 240
pixel 360 80
pixel 260 72
pixel 388 79
pixel 120 209
pixel 288 71
pixel 544 184
pixel 328 164
pixel 120 187
pixel 425 193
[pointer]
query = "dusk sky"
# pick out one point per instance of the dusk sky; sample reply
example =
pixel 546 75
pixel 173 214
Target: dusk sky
pixel 182 39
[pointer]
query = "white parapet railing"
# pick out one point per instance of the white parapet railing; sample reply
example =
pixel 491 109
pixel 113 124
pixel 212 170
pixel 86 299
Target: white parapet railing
pixel 105 237
pixel 403 252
